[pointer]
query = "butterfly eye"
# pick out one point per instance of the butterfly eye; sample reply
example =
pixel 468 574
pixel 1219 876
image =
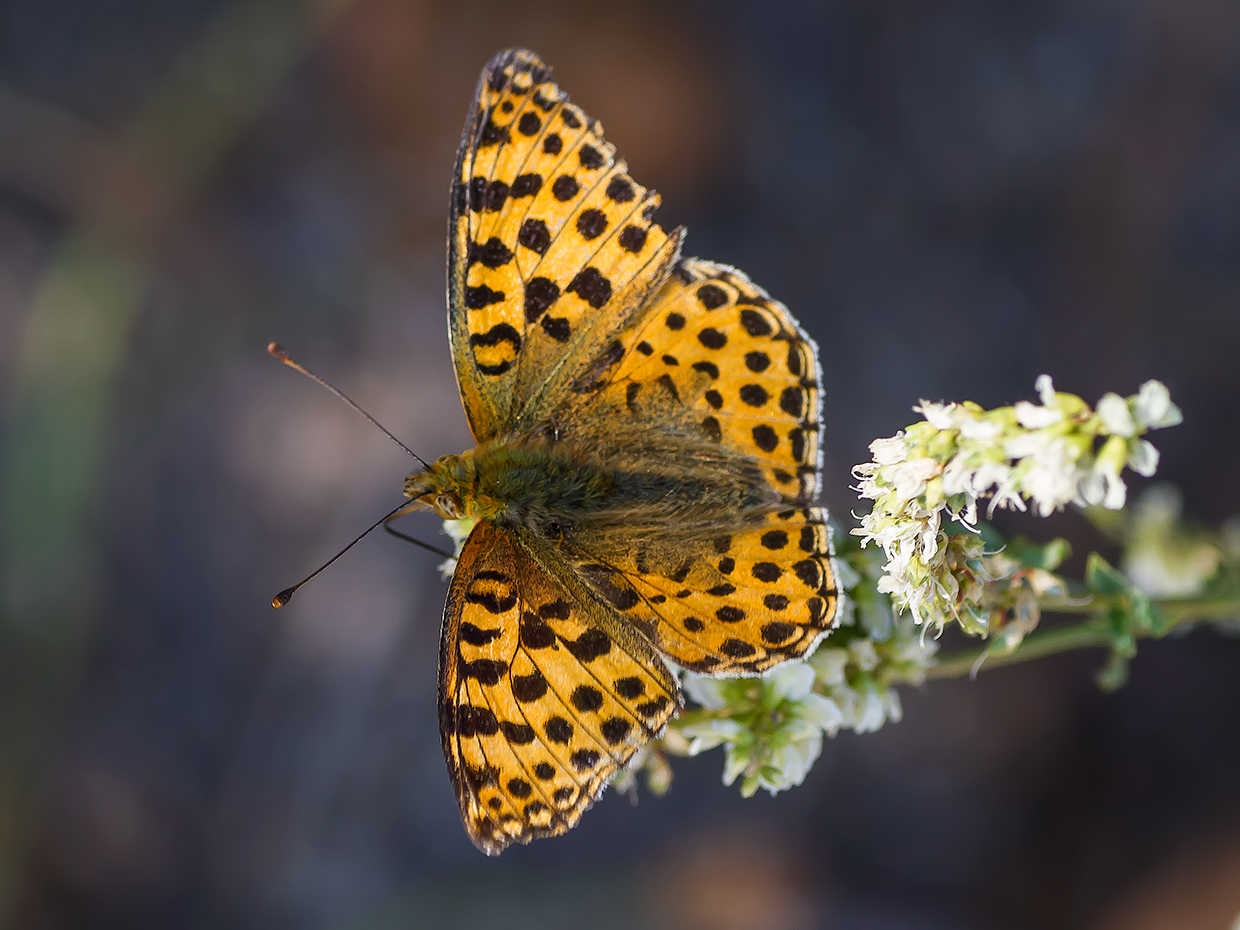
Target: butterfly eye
pixel 448 505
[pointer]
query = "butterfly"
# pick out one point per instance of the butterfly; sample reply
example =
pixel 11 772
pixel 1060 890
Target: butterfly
pixel 647 431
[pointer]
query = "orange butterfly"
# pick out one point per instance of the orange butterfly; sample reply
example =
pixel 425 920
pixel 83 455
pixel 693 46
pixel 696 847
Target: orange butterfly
pixel 648 449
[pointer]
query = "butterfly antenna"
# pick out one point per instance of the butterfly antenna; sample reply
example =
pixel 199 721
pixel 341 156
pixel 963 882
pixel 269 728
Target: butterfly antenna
pixel 287 594
pixel 276 351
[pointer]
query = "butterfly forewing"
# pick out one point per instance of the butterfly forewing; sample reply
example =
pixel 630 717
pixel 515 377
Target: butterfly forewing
pixel 552 245
pixel 542 696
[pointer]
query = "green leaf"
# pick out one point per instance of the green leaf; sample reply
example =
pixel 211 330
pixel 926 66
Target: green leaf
pixel 1143 609
pixel 1034 555
pixel 1103 578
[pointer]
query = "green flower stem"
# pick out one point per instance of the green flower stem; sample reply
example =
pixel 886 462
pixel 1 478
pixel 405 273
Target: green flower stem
pixel 1096 631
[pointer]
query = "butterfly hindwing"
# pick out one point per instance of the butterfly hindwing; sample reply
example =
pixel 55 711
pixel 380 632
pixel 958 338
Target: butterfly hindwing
pixel 733 362
pixel 542 695
pixel 552 244
pixel 734 603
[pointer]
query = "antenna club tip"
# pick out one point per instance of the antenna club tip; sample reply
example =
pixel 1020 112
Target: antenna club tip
pixel 275 350
pixel 283 598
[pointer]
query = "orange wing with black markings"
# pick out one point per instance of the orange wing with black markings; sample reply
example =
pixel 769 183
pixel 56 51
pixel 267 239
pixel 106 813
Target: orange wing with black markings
pixel 552 245
pixel 714 353
pixel 736 602
pixel 544 693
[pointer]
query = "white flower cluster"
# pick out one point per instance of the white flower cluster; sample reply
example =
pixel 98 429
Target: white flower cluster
pixel 1049 454
pixel 773 727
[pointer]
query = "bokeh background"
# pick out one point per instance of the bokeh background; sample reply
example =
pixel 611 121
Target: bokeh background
pixel 953 196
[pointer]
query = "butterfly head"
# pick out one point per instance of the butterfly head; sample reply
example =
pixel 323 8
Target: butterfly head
pixel 443 486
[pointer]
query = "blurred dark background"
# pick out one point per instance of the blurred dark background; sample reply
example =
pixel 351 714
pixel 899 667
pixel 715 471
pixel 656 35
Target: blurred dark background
pixel 953 196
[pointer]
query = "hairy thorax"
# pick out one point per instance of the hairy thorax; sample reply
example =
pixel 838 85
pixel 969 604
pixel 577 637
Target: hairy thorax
pixel 666 484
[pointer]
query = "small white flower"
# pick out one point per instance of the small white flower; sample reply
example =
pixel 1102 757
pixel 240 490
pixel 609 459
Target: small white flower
pixel 863 654
pixel 1024 445
pixel 978 430
pixel 1046 389
pixel 889 451
pixel 872 713
pixel 791 681
pixel 1052 477
pixel 1031 416
pixel 910 478
pixel 822 712
pixel 1104 486
pixel 735 763
pixel 706 691
pixel 712 733
pixel 937 415
pixel 1153 407
pixel 892 705
pixel 795 760
pixel 1143 457
pixel 1116 416
pixel 458 531
pixel 829 663
pixel 958 476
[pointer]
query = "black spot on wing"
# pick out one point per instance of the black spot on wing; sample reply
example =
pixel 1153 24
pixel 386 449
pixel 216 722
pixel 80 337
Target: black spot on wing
pixel 754 395
pixel 590 157
pixel 482 296
pixel 485 671
pixel 525 185
pixel 632 238
pixel 765 438
pixel 518 733
pixel 790 401
pixel 529 123
pixel 527 688
pixel 591 223
pixel 497 193
pixel 558 730
pixel 475 721
pixel 591 645
pixel 620 190
pixel 540 293
pixel 591 286
pixel 493 254
pixel 629 688
pixel 711 296
pixel 534 235
pixel 565 187
pixel 557 327
pixel 586 698
pixel 476 636
pixel 755 323
pixel 737 649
